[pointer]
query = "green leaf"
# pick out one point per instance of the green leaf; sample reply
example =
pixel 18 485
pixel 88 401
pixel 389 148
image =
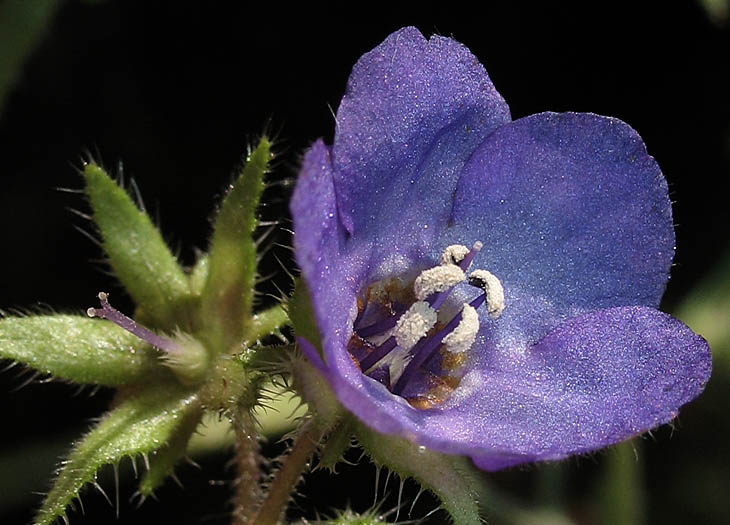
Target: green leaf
pixel 164 460
pixel 139 425
pixel 452 479
pixel 77 348
pixel 137 253
pixel 227 298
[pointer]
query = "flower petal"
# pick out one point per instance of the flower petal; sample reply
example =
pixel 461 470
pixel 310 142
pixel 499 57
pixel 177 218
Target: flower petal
pixel 595 380
pixel 319 241
pixel 413 112
pixel 574 216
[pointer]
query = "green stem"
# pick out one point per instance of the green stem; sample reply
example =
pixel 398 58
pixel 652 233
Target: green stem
pixel 248 488
pixel 622 486
pixel 288 476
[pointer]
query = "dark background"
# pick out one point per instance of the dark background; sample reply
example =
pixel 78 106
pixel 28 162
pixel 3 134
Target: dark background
pixel 176 91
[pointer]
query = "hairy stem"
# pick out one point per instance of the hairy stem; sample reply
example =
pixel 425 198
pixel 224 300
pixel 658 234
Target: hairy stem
pixel 248 489
pixel 288 476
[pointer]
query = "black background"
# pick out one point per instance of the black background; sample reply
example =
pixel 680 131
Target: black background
pixel 176 92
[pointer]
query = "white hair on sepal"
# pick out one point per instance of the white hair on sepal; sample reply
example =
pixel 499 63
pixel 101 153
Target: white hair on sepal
pixel 493 291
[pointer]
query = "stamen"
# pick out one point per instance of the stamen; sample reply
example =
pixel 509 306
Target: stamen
pixel 493 290
pixel 454 254
pixel 464 335
pixel 379 327
pixel 451 253
pixel 410 328
pixel 437 279
pixel 376 355
pixel 414 324
pixel 426 347
pixel 467 260
pixel 398 361
pixel 107 311
pixel 438 299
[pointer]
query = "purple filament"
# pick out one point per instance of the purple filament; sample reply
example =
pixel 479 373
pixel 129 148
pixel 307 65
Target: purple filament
pixel 427 346
pixel 435 301
pixel 376 355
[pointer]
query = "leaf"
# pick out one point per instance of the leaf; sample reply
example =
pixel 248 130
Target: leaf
pixel 227 298
pixel 451 478
pixel 137 253
pixel 77 348
pixel 139 425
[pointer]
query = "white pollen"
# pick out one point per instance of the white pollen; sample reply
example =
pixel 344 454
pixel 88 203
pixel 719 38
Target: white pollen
pixel 492 289
pixel 464 335
pixel 437 279
pixel 414 324
pixel 454 254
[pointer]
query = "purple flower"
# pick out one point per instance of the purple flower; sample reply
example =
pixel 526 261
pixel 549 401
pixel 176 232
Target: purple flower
pixel 567 352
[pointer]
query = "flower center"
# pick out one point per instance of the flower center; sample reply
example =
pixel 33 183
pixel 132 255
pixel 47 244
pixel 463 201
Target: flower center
pixel 401 338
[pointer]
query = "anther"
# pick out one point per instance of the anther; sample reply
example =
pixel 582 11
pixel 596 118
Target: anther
pixel 414 324
pixel 426 347
pixel 409 329
pixel 493 291
pixel 454 254
pixel 437 279
pixel 464 335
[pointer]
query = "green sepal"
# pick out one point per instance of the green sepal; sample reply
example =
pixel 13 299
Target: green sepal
pixel 227 298
pixel 137 426
pixel 266 323
pixel 76 348
pixel 301 314
pixel 163 461
pixel 198 275
pixel 137 253
pixel 316 392
pixel 337 442
pixel 453 479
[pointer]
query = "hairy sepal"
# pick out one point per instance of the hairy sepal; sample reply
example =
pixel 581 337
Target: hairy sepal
pixel 139 425
pixel 163 461
pixel 76 348
pixel 301 314
pixel 227 297
pixel 337 442
pixel 451 478
pixel 137 252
